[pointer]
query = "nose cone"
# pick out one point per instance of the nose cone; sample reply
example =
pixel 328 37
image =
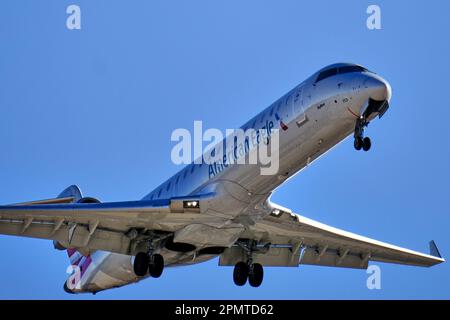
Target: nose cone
pixel 378 88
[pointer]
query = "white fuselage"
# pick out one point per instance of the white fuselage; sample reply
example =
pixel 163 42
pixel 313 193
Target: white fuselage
pixel 317 115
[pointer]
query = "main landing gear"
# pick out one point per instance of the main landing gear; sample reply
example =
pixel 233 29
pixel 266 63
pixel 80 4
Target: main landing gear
pixel 361 142
pixel 253 272
pixel 151 263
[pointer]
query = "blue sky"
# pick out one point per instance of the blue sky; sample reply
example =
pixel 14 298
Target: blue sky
pixel 96 107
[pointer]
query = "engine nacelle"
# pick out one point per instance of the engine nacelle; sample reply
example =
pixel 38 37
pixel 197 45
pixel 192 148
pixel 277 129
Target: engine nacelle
pixel 178 246
pixel 88 200
pixel 58 246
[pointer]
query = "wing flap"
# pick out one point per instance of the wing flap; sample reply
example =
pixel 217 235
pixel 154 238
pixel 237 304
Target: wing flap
pixel 93 226
pixel 274 257
pixel 71 235
pixel 102 226
pixel 329 246
pixel 334 258
pixel 113 215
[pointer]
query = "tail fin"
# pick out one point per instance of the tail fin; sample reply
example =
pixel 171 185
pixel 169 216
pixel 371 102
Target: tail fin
pixel 72 192
pixel 78 260
pixel 79 264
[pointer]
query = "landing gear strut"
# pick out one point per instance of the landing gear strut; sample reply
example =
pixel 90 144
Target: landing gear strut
pixel 144 262
pixel 361 142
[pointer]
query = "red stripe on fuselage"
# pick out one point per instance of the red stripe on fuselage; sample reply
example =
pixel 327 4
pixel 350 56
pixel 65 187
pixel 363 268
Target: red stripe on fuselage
pixel 353 113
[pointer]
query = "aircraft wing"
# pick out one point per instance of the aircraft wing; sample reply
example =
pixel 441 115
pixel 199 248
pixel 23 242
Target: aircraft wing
pixel 311 242
pixel 109 226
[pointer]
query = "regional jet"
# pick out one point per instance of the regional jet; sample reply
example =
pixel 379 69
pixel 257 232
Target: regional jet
pixel 200 214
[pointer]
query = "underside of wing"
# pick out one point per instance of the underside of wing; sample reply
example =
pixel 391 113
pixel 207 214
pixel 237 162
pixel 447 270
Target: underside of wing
pixel 310 242
pixel 119 227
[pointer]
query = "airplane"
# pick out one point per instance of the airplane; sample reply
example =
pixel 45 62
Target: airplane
pixel 197 215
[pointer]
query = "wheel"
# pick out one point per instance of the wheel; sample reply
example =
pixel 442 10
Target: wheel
pixel 140 265
pixel 358 144
pixel 240 273
pixel 156 266
pixel 366 144
pixel 255 277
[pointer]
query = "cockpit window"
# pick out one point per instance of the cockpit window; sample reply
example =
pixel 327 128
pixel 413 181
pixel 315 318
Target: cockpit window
pixel 350 69
pixel 334 71
pixel 326 74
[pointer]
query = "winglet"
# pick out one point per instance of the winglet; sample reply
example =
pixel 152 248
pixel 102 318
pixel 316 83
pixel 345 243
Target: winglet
pixel 434 251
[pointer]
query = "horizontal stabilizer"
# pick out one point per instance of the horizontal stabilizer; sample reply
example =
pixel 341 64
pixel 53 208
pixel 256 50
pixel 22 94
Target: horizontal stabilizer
pixel 70 195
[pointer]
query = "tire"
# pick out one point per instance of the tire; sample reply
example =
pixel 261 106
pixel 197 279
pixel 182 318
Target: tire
pixel 358 144
pixel 366 144
pixel 140 265
pixel 156 268
pixel 240 274
pixel 255 278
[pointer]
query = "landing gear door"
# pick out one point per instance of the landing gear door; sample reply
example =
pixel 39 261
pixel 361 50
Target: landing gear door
pixel 298 107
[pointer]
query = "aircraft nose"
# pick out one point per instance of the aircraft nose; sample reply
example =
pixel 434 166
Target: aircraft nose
pixel 378 88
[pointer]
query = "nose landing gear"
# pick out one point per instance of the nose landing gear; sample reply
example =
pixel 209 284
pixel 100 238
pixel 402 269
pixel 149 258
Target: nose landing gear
pixel 361 142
